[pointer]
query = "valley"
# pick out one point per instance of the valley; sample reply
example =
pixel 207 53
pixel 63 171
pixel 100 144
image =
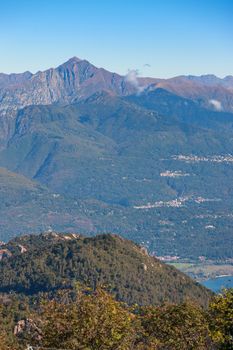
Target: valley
pixel 204 270
pixel 154 167
pixel 116 169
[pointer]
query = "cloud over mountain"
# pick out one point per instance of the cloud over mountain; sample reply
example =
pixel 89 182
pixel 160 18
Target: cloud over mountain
pixel 216 104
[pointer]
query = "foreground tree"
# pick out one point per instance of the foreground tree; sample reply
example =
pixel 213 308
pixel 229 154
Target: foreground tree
pixel 93 321
pixel 3 340
pixel 177 327
pixel 221 319
pixel 6 342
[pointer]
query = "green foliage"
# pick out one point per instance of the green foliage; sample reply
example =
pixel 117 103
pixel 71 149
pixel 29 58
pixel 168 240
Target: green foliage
pixel 177 327
pixel 54 262
pixel 9 315
pixel 221 319
pixel 95 321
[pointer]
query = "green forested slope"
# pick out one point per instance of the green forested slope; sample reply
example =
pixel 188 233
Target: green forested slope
pixel 54 262
pixel 121 165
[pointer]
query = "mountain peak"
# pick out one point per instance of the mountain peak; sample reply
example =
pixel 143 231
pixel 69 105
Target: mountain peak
pixel 72 60
pixel 75 59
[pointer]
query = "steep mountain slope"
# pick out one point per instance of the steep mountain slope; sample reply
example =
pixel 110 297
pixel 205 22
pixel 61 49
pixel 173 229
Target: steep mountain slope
pixel 7 80
pixel 51 261
pixel 78 79
pixel 26 204
pixel 182 109
pixel 75 79
pixel 207 90
pixel 106 125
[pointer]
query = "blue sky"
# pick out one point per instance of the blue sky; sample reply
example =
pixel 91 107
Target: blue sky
pixel 172 36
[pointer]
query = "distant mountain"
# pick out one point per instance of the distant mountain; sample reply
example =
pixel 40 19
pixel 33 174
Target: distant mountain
pixel 209 91
pixel 50 261
pixel 92 151
pixel 7 80
pixel 212 80
pixel 77 79
pixel 74 80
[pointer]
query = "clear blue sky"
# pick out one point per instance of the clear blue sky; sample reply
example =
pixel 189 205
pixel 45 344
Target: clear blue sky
pixel 173 36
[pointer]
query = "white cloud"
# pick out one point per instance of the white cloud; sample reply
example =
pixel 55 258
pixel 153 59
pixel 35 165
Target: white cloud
pixel 216 104
pixel 132 78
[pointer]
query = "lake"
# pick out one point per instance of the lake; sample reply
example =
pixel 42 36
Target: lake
pixel 216 284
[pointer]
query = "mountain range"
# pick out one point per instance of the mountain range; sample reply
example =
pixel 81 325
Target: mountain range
pixel 86 150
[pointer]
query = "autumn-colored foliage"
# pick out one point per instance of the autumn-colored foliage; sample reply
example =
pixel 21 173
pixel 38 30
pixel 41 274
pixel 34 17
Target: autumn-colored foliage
pixel 177 327
pixel 94 320
pixel 221 320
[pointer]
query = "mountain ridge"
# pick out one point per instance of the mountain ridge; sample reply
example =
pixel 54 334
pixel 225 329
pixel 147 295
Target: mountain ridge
pixel 211 78
pixel 76 71
pixel 148 163
pixel 77 79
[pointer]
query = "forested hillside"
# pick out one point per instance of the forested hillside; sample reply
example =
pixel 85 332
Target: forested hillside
pixel 49 262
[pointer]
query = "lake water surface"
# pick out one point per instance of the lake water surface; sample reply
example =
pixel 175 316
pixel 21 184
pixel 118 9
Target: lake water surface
pixel 216 284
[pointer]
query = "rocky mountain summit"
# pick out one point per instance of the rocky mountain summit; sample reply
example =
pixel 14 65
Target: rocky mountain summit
pixel 74 80
pixel 78 79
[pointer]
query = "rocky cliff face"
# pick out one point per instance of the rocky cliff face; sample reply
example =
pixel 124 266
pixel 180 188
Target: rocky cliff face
pixel 27 327
pixel 74 80
pixel 78 79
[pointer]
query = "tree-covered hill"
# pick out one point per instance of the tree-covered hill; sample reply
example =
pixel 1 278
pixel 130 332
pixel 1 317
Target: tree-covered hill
pixel 50 262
